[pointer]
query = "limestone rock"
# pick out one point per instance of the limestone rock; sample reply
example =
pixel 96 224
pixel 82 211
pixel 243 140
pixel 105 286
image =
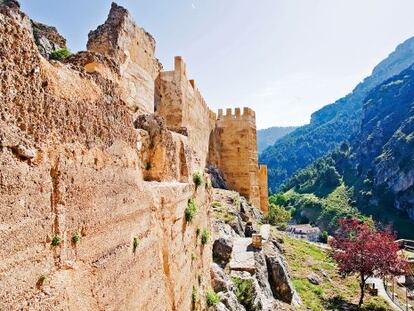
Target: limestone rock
pixel 47 38
pixel 24 152
pixel 217 178
pixel 134 50
pixel 280 282
pixel 222 249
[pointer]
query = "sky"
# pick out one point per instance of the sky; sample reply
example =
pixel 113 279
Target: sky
pixel 283 58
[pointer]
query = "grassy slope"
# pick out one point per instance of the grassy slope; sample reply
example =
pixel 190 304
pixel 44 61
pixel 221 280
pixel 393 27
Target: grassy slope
pixel 304 258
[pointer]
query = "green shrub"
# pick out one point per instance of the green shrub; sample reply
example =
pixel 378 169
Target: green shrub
pixel 212 298
pixel 245 293
pixel 278 215
pixel 60 54
pixel 324 237
pixel 197 178
pixel 198 231
pixel 191 210
pixel 56 241
pixel 135 244
pixel 205 236
pixel 76 238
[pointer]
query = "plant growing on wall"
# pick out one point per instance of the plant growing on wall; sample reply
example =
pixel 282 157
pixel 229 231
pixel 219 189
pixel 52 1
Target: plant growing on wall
pixel 76 238
pixel 205 236
pixel 56 241
pixel 198 178
pixel 60 54
pixel 191 210
pixel 212 298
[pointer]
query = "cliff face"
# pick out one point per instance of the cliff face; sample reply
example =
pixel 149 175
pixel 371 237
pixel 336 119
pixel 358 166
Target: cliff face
pixel 94 179
pixel 72 164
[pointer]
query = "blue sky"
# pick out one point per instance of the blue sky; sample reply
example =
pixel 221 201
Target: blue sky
pixel 283 58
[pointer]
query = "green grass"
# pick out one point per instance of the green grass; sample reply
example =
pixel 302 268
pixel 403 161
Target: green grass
pixel 304 258
pixel 245 293
pixel 222 212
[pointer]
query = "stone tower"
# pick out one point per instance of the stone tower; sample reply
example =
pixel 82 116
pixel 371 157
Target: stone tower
pixel 234 151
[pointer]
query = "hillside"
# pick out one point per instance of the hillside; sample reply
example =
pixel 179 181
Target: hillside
pixel 268 137
pixel 330 125
pixel 377 167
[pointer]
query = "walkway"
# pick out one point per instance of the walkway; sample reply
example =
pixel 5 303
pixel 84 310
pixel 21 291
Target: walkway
pixel 379 284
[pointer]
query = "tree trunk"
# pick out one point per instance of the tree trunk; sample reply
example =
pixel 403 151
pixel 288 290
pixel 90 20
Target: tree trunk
pixel 362 286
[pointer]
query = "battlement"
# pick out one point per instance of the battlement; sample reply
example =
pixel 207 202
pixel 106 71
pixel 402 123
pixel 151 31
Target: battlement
pixel 248 114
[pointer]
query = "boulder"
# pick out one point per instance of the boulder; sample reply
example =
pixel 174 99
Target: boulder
pixel 229 299
pixel 279 279
pixel 222 249
pixel 314 279
pixel 219 280
pixel 217 178
pixel 249 230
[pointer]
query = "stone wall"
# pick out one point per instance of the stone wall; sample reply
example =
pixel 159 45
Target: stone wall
pixel 264 192
pixel 181 104
pixel 73 164
pixel 86 165
pixel 234 151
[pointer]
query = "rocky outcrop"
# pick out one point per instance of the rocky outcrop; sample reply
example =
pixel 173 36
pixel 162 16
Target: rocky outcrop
pixel 261 273
pixel 134 50
pixel 47 39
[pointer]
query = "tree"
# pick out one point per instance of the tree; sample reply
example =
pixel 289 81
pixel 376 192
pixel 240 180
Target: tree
pixel 278 215
pixel 360 249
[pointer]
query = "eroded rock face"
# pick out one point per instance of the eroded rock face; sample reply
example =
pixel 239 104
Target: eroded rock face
pixel 72 164
pixel 47 38
pixel 134 50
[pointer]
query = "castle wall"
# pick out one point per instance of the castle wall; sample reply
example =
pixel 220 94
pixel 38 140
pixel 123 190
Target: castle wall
pixel 263 186
pixel 181 104
pixel 234 151
pixel 72 162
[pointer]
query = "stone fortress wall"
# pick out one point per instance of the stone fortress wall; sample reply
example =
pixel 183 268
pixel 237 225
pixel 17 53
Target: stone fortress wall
pixel 231 137
pixel 82 152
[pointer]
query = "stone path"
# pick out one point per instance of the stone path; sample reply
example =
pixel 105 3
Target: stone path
pixel 242 257
pixel 265 231
pixel 379 284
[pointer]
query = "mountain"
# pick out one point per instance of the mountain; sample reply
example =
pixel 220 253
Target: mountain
pixel 376 169
pixel 330 125
pixel 267 137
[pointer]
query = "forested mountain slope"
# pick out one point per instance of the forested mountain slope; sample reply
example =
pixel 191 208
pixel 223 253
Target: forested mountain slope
pixel 330 125
pixel 267 137
pixel 376 169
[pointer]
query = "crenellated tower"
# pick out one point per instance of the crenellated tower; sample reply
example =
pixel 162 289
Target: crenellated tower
pixel 233 150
